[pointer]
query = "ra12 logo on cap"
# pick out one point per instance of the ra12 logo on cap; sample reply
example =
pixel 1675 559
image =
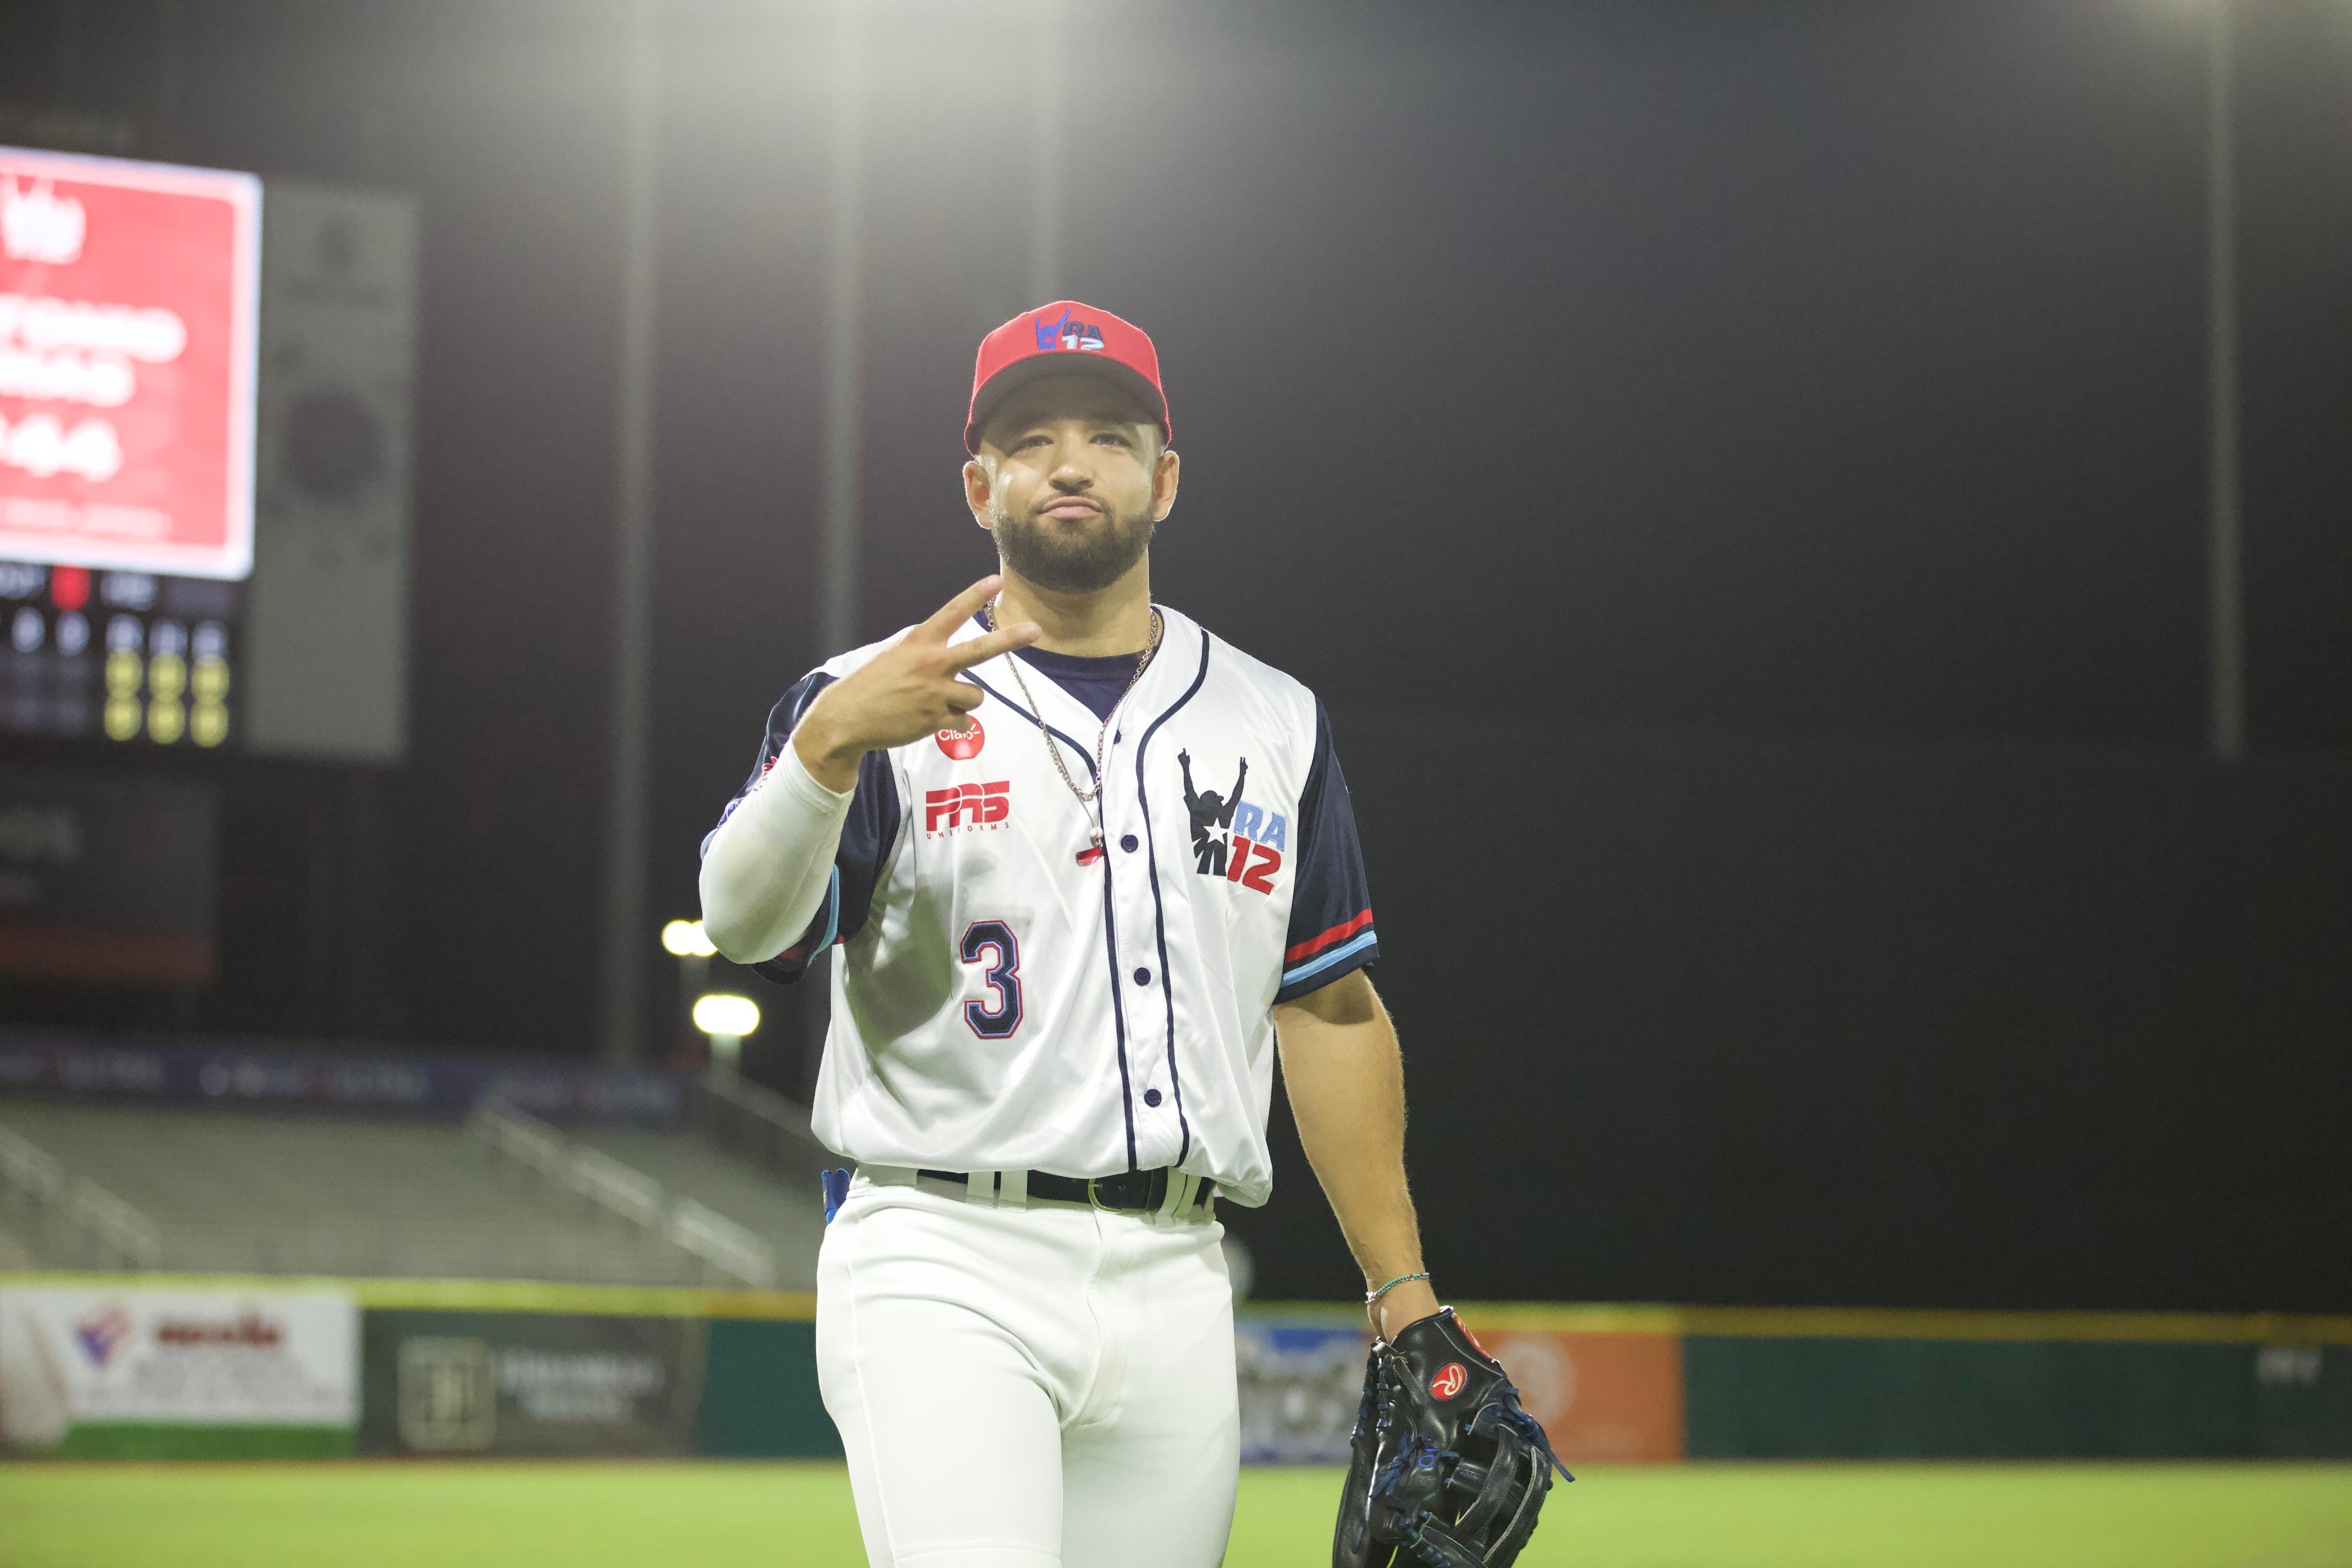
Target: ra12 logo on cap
pixel 1069 332
pixel 962 744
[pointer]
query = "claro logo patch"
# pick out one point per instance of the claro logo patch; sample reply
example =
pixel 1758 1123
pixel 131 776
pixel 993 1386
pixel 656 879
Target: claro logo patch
pixel 964 743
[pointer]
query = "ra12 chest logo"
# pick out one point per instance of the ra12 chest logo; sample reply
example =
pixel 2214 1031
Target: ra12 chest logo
pixel 1232 839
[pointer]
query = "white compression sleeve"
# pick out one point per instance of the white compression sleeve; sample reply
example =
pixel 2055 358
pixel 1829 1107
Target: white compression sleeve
pixel 765 874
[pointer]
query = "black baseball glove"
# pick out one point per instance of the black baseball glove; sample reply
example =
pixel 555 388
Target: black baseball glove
pixel 1447 1469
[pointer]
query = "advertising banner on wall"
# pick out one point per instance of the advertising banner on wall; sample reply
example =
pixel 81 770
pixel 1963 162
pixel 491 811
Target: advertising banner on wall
pixel 530 1383
pixel 105 878
pixel 139 1372
pixel 128 305
pixel 1603 1398
pixel 1300 1384
pixel 88 1065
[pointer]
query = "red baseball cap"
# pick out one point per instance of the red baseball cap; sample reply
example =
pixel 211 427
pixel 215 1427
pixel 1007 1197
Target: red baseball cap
pixel 1060 337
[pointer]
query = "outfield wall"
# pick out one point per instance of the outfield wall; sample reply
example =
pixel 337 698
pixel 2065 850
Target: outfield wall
pixel 457 1368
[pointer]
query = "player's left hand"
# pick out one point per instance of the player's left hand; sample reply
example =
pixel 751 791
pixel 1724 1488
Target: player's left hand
pixel 1402 1307
pixel 1447 1469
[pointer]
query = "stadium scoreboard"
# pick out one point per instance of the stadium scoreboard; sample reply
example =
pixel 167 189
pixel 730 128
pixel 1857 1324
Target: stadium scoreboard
pixel 128 305
pixel 122 656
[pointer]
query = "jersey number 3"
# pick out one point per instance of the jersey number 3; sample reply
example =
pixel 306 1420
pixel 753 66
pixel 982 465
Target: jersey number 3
pixel 1001 1015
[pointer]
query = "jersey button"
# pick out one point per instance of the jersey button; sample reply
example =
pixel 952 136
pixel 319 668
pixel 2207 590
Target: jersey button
pixel 1127 842
pixel 1151 1096
pixel 1143 976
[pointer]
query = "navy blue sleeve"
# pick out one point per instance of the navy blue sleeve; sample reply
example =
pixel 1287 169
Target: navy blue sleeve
pixel 1331 932
pixel 871 827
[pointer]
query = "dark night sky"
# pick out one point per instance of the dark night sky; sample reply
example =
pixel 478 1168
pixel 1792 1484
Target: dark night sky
pixel 1801 375
pixel 1798 369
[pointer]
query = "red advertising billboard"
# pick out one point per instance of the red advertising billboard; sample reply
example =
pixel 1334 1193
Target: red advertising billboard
pixel 1603 1398
pixel 128 297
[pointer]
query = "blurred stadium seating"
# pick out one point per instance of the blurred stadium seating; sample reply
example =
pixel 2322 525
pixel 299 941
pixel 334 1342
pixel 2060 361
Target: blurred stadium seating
pixel 500 1195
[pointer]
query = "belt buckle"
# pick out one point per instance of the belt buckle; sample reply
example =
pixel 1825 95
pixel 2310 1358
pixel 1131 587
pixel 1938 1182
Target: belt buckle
pixel 1110 1206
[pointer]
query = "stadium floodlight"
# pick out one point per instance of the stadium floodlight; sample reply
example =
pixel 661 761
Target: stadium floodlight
pixel 726 1020
pixel 720 1015
pixel 687 939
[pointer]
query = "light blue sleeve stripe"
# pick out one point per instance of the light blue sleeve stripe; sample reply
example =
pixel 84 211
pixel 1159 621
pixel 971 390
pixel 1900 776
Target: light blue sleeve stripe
pixel 1345 950
pixel 832 916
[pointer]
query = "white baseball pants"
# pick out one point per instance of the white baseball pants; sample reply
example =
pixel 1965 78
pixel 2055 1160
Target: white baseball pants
pixel 1043 1386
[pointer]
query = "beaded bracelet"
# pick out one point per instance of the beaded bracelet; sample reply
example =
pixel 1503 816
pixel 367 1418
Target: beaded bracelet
pixel 1372 1298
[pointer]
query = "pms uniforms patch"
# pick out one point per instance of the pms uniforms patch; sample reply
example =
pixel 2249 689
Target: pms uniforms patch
pixel 1232 839
pixel 967 806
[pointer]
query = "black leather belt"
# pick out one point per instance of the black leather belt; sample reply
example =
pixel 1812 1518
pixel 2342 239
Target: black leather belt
pixel 1129 1192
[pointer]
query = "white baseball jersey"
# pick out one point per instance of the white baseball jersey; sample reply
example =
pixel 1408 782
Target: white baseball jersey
pixel 1006 997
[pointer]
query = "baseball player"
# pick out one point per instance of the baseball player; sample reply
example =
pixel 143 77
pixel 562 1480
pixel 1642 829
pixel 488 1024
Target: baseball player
pixel 1067 953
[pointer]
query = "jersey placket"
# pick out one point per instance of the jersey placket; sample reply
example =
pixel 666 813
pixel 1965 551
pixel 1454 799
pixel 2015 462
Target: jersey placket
pixel 1170 700
pixel 1168 686
pixel 1140 1018
pixel 1135 976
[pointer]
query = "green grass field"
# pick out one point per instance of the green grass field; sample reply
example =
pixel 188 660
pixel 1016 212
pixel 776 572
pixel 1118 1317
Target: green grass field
pixel 512 1515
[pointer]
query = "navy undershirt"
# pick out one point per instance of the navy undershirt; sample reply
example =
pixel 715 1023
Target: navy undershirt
pixel 1098 682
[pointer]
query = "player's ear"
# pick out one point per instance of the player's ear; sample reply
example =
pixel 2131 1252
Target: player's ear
pixel 1163 484
pixel 979 488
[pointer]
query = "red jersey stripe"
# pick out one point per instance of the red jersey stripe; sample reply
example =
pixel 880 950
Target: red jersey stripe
pixel 1338 933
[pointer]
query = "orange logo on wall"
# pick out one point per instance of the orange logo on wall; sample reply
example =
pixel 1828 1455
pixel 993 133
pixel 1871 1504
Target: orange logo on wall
pixel 1603 1398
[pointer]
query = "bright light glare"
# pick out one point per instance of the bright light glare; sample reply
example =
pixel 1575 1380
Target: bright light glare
pixel 687 939
pixel 719 1013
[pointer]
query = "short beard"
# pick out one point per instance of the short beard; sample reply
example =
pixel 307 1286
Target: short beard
pixel 1060 561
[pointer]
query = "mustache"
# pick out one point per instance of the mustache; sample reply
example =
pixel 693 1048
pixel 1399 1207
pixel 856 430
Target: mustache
pixel 1036 511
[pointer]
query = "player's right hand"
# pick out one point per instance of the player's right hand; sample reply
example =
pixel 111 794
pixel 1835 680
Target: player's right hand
pixel 905 691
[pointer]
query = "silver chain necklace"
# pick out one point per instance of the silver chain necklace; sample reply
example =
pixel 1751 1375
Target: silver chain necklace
pixel 1088 799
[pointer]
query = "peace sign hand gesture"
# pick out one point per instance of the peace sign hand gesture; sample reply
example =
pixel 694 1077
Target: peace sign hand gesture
pixel 904 693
